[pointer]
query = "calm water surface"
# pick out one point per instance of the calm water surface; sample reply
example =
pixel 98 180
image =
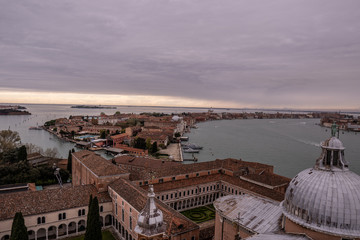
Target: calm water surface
pixel 290 145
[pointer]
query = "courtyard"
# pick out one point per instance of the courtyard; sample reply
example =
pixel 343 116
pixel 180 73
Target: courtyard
pixel 200 214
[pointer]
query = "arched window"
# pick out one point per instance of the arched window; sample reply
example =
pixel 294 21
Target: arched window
pixel 43 220
pixel 83 212
pixel 38 220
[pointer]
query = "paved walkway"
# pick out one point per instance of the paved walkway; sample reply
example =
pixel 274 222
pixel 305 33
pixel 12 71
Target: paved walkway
pixel 173 150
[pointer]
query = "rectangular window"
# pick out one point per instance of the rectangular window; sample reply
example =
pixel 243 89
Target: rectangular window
pixel 187 175
pixel 173 178
pixel 176 195
pixel 197 174
pixel 171 196
pixel 116 209
pixel 161 180
pixel 122 215
pixel 64 216
pixel 130 220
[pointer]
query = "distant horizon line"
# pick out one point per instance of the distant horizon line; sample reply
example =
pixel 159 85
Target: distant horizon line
pixel 230 108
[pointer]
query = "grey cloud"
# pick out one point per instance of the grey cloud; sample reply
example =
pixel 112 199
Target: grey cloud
pixel 266 53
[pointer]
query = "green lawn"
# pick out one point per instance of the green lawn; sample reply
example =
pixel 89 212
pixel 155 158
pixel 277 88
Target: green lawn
pixel 106 235
pixel 200 214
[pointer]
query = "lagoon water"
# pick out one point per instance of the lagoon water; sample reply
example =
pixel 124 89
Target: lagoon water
pixel 290 145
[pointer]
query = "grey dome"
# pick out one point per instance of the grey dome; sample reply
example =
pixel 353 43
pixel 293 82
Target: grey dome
pixel 326 198
pixel 333 143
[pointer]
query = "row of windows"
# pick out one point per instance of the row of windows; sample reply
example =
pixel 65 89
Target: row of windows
pixel 230 190
pixel 62 216
pixel 189 192
pixel 41 220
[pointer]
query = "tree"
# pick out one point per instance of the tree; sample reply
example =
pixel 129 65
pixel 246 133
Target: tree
pixel 8 140
pixel 22 154
pixel 154 147
pixel 93 228
pixel 69 164
pixel 89 209
pixel 148 144
pixel 50 152
pixel 72 134
pixel 139 143
pixel 103 134
pixel 18 229
pixel 32 148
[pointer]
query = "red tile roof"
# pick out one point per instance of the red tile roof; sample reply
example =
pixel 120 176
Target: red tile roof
pixel 175 222
pixel 257 189
pixel 49 200
pixel 229 164
pixel 97 164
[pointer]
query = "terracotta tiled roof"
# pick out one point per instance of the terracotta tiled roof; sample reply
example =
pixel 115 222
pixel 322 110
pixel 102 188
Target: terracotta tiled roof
pixel 257 189
pixel 137 197
pixel 229 164
pixel 49 200
pixel 98 165
pixel 144 162
pixel 122 135
pixel 268 179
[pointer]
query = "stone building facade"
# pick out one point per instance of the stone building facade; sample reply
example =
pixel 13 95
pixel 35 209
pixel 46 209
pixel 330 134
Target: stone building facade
pixel 123 194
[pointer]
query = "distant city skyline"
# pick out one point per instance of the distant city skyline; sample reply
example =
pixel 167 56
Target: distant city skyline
pixel 224 54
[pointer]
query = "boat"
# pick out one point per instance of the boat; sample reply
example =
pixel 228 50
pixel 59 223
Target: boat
pixel 190 150
pixel 35 128
pixel 184 138
pixel 192 146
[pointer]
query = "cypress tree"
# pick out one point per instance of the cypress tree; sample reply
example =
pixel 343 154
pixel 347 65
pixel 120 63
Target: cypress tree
pixel 22 154
pixel 89 208
pixel 69 164
pixel 93 228
pixel 18 228
pixel 154 147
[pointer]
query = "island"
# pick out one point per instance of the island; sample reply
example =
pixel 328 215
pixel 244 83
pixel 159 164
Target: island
pixel 13 110
pixel 93 106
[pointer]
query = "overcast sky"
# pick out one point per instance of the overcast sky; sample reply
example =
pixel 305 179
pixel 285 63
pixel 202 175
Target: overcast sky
pixel 230 53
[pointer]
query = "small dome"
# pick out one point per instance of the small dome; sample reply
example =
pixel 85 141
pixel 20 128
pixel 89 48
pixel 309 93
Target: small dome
pixel 150 221
pixel 176 118
pixel 333 143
